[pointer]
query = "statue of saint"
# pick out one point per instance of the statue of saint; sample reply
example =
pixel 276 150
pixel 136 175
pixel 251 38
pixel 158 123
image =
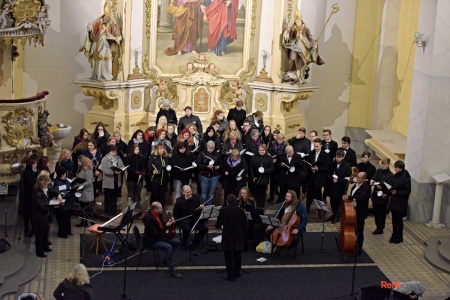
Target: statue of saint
pixel 102 46
pixel 301 50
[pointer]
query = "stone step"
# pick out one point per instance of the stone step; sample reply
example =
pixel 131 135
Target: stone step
pixel 30 268
pixel 433 256
pixel 444 247
pixel 12 262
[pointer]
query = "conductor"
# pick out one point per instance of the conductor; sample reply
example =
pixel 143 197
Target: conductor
pixel 234 223
pixel 188 208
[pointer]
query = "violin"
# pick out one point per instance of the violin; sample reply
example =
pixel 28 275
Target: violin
pixel 347 230
pixel 171 231
pixel 282 236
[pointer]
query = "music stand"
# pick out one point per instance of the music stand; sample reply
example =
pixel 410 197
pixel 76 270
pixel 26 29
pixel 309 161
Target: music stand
pixel 207 212
pixel 4 193
pixel 274 223
pixel 321 206
pixel 84 218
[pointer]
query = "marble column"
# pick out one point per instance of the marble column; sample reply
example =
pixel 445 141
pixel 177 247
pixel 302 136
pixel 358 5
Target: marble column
pixel 428 139
pixel 165 18
pixel 265 37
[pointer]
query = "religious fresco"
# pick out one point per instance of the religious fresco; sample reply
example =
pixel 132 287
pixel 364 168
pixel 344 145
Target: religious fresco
pixel 185 28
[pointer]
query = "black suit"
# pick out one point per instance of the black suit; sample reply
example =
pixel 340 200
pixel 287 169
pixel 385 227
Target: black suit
pixel 361 196
pixel 290 180
pixel 185 207
pixel 332 146
pixel 40 218
pixel 300 145
pixel 350 156
pixel 234 223
pixel 317 179
pixel 337 190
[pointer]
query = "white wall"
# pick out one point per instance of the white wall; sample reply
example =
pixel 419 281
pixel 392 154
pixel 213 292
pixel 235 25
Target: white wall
pixel 328 108
pixel 55 65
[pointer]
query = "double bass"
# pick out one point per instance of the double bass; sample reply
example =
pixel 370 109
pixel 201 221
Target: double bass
pixel 282 236
pixel 347 230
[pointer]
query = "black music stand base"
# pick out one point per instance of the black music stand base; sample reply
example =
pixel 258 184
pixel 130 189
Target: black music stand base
pixel 321 250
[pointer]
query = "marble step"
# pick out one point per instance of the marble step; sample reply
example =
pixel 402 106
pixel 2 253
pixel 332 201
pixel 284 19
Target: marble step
pixel 433 256
pixel 444 247
pixel 30 268
pixel 12 261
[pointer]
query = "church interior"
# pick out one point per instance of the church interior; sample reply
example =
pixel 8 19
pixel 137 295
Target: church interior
pixel 381 80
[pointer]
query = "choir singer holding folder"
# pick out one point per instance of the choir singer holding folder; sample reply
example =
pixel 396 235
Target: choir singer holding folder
pixel 111 179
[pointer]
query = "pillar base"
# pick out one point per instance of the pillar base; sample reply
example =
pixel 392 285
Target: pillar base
pixel 435 225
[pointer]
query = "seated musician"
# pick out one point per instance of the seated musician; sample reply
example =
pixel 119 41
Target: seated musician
pixel 155 236
pixel 255 228
pixel 189 206
pixel 290 201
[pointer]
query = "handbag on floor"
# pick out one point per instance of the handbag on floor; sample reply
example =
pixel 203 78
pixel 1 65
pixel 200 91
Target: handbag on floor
pixel 4 245
pixel 265 247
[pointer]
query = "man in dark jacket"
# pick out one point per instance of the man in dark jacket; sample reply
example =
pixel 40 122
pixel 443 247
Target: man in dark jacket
pixel 189 118
pixel 398 203
pixel 237 114
pixel 189 206
pixel 365 166
pixel 234 223
pixel 300 143
pixel 155 236
pixel 360 195
pixel 167 111
pixel 318 162
pixel 338 177
pixel 350 154
pixel 291 172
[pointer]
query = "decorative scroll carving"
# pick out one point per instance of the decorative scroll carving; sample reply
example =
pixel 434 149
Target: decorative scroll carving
pixel 289 11
pixel 278 127
pixel 19 127
pixel 292 126
pixel 119 126
pixel 95 123
pixel 148 17
pixel 138 124
pixel 253 28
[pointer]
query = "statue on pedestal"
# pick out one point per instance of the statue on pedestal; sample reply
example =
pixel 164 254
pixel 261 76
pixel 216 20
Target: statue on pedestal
pixel 301 50
pixel 102 47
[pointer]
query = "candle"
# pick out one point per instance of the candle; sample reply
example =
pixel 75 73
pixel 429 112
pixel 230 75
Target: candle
pixel 264 56
pixel 136 56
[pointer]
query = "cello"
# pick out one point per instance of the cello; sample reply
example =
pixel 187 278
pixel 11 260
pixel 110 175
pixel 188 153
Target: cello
pixel 347 230
pixel 282 236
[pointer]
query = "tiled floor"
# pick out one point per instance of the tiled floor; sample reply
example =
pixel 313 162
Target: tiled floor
pixel 402 262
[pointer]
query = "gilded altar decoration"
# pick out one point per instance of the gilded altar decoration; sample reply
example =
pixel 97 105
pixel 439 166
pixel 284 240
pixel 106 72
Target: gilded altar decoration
pixel 19 127
pixel 24 20
pixel 201 100
pixel 148 16
pixel 253 29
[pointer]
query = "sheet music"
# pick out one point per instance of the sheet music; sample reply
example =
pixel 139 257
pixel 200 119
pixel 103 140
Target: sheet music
pixel 240 173
pixel 302 154
pixel 242 151
pixel 248 215
pixel 55 202
pixel 388 185
pixel 112 220
pixel 249 153
pixel 195 149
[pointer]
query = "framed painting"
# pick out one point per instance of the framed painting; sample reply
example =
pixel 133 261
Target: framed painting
pixel 182 29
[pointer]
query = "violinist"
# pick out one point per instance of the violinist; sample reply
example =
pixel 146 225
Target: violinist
pixel 289 204
pixel 360 195
pixel 189 206
pixel 155 236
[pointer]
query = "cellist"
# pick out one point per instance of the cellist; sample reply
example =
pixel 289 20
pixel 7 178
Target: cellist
pixel 360 194
pixel 290 204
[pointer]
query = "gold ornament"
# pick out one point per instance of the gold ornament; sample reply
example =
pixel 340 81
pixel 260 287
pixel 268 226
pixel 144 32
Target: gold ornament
pixel 106 9
pixel 297 15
